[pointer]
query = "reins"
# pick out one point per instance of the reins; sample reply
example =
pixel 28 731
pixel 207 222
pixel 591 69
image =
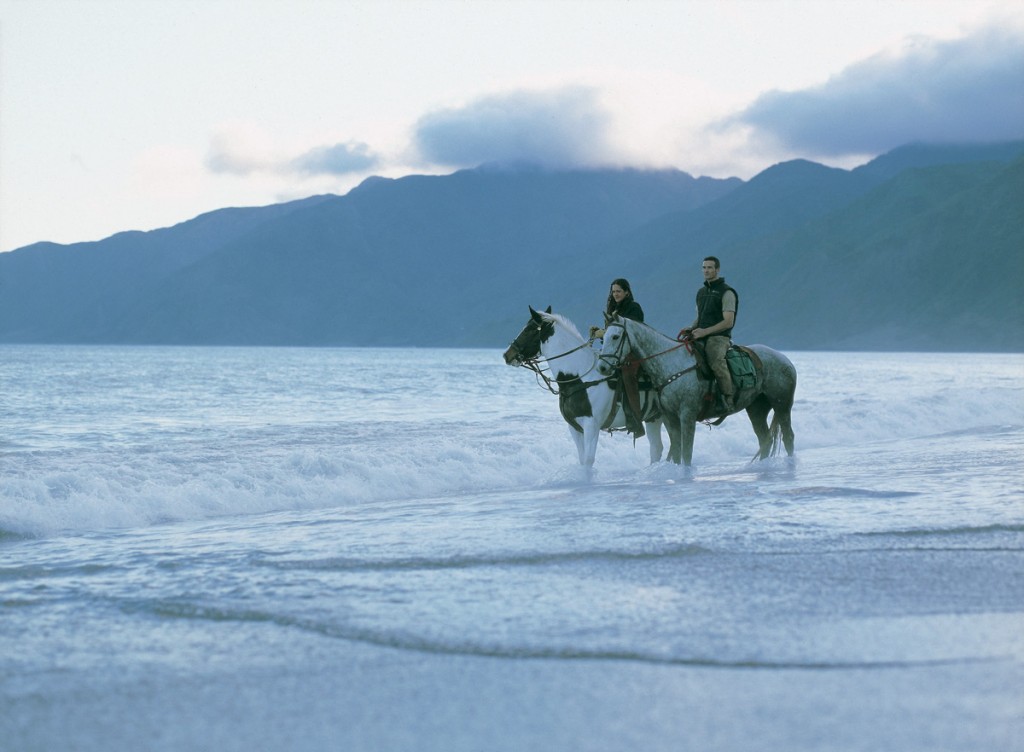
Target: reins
pixel 534 364
pixel 687 343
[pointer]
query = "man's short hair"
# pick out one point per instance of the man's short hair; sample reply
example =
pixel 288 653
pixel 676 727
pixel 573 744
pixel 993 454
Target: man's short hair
pixel 718 264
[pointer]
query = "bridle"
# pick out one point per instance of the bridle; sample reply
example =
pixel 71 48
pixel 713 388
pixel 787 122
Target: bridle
pixel 613 361
pixel 541 370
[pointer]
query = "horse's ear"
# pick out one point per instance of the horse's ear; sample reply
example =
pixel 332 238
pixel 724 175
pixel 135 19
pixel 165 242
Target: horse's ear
pixel 607 318
pixel 534 315
pixel 548 310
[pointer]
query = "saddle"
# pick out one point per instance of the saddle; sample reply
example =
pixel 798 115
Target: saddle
pixel 745 368
pixel 650 405
pixel 643 383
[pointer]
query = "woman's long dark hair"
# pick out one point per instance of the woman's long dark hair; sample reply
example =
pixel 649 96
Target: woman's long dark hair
pixel 612 306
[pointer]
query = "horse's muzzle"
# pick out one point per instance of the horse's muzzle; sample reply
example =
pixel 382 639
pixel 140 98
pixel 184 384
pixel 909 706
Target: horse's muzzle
pixel 512 356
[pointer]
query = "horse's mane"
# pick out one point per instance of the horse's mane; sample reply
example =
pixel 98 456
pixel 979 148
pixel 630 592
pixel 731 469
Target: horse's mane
pixel 566 323
pixel 656 332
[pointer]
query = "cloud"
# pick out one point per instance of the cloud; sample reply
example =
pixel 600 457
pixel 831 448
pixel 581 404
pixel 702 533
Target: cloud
pixel 339 159
pixel 240 149
pixel 562 128
pixel 244 150
pixel 965 90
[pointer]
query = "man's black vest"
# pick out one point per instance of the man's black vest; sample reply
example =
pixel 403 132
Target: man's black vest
pixel 709 305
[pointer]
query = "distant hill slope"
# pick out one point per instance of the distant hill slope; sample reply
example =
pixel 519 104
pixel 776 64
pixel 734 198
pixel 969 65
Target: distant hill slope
pixel 920 249
pixel 76 293
pixel 930 259
pixel 389 263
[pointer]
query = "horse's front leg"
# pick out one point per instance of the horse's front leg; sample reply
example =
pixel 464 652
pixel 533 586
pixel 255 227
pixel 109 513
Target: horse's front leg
pixel 674 438
pixel 591 433
pixel 578 440
pixel 654 440
pixel 687 430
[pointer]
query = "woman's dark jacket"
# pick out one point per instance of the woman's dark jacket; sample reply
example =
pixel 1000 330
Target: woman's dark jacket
pixel 629 309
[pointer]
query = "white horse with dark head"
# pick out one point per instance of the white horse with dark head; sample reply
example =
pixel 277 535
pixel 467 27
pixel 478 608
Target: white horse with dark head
pixel 673 370
pixel 587 401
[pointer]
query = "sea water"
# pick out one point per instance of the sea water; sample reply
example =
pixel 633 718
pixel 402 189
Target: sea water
pixel 395 549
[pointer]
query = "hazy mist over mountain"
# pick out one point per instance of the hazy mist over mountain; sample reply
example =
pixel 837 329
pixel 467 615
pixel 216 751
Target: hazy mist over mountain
pixel 921 249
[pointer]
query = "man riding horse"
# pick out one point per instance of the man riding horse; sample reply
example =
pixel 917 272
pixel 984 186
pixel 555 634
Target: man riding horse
pixel 717 305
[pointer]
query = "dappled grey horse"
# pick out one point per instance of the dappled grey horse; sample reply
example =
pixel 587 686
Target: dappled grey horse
pixel 672 368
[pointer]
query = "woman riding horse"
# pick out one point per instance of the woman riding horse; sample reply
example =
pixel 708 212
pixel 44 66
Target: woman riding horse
pixel 622 302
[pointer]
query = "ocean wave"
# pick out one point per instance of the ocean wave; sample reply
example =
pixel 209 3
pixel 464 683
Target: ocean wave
pixel 82 491
pixel 420 642
pixel 110 462
pixel 347 564
pixel 826 492
pixel 41 571
pixel 955 530
pixel 11 535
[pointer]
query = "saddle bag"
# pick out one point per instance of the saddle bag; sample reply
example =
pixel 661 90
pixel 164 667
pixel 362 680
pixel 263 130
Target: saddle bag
pixel 741 368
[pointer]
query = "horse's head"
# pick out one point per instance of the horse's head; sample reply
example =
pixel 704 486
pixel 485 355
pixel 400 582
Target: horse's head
pixel 526 346
pixel 615 347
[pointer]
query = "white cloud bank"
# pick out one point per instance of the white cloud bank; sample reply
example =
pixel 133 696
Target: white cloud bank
pixel 965 90
pixel 566 127
pixel 969 89
pixel 242 150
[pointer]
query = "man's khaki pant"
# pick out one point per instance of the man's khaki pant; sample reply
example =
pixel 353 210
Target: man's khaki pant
pixel 715 349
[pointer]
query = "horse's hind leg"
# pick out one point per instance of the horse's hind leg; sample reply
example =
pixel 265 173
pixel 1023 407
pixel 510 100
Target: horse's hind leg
pixel 758 414
pixel 784 412
pixel 783 418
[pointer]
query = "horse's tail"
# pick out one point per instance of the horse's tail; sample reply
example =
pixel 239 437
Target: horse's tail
pixel 775 430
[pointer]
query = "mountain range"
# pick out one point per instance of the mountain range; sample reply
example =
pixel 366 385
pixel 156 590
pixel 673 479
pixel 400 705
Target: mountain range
pixel 920 249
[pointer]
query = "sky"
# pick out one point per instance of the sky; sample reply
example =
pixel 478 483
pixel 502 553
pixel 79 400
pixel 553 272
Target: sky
pixel 137 114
